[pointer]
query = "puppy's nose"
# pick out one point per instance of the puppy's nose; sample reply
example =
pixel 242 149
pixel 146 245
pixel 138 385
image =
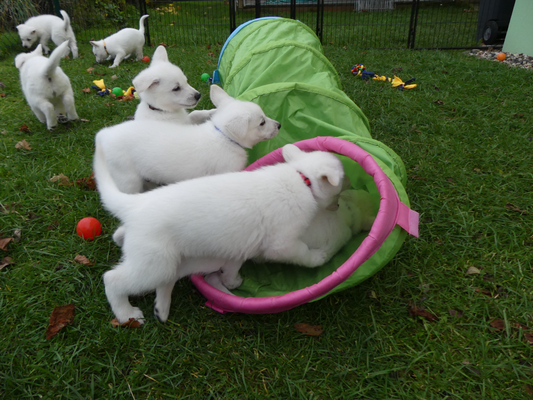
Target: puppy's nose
pixel 197 96
pixel 279 126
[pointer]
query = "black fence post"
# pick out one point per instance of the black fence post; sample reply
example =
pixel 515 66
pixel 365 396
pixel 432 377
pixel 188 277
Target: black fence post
pixel 293 9
pixel 257 8
pixel 319 18
pixel 143 10
pixel 412 24
pixel 232 22
pixel 56 7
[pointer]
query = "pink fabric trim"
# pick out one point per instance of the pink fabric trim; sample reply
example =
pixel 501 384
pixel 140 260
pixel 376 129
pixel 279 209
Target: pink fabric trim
pixel 391 210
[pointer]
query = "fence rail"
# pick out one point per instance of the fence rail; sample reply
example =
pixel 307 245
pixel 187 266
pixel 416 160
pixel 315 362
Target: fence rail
pixel 413 24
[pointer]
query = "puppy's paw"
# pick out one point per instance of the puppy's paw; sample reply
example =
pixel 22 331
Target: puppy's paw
pixel 62 119
pixel 161 313
pixel 231 282
pixel 318 257
pixel 135 313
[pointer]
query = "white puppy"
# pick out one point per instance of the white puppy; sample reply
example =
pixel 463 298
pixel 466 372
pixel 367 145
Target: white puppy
pixel 331 228
pixel 48 27
pixel 164 92
pixel 192 227
pixel 46 87
pixel 121 45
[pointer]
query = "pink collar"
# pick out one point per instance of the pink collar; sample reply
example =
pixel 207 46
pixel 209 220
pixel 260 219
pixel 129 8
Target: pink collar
pixel 307 181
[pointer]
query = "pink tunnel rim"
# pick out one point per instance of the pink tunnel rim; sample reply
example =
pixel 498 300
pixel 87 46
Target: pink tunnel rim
pixel 385 222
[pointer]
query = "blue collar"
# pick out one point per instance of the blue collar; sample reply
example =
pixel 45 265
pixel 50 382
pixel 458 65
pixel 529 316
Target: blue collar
pixel 227 137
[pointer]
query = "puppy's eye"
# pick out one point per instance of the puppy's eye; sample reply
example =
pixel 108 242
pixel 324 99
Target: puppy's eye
pixel 176 89
pixel 262 123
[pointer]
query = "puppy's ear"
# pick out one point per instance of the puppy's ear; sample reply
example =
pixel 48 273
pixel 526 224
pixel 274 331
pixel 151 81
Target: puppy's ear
pixel 290 152
pixel 39 49
pixel 20 60
pixel 218 96
pixel 160 54
pixel 332 177
pixel 94 44
pixel 238 127
pixel 19 27
pixel 143 82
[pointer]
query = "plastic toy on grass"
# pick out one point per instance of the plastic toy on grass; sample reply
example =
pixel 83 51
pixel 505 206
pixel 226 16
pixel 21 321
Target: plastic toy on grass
pixel 89 228
pixel 301 89
pixel 99 84
pixel 360 70
pixel 146 59
pixel 206 78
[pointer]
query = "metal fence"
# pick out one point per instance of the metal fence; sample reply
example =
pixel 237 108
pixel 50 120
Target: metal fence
pixel 394 24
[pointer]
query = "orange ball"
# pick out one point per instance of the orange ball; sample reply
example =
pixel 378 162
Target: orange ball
pixel 89 228
pixel 500 57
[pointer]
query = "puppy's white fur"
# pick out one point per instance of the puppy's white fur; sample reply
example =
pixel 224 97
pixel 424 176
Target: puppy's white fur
pixel 46 27
pixel 330 230
pixel 46 87
pixel 164 92
pixel 121 45
pixel 163 152
pixel 215 222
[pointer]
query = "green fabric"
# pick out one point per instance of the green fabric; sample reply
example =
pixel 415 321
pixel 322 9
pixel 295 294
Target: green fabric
pixel 279 64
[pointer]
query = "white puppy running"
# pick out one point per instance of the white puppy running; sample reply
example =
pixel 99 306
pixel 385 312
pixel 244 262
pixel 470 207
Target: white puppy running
pixel 165 94
pixel 46 87
pixel 215 222
pixel 48 27
pixel 121 45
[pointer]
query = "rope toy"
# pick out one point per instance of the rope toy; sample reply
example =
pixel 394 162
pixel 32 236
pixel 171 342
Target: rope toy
pixel 360 70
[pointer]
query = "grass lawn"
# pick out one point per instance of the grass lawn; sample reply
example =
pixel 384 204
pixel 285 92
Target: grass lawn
pixel 466 137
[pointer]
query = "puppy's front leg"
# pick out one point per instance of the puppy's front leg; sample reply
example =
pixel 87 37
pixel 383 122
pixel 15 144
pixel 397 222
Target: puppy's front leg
pixel 229 274
pixel 297 252
pixel 118 58
pixel 200 116
pixel 44 43
pixel 163 297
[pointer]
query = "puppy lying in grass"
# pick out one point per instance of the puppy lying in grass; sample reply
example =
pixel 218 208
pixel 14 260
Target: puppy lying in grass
pixel 45 86
pixel 46 28
pixel 121 45
pixel 214 223
pixel 165 94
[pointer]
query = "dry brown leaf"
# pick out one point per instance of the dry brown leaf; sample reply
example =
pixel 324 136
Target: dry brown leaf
pixel 5 262
pixel 485 292
pixel 87 183
pixel 4 242
pixel 518 325
pixel 114 77
pixel 60 317
pixel 2 95
pixel 83 260
pixel 126 98
pixel 23 144
pixel 415 311
pixel 24 128
pixel 439 102
pixel 109 104
pixel 311 330
pixel 90 70
pixel 131 323
pixel 84 120
pixel 497 324
pixel 517 209
pixel 456 313
pixel 86 90
pixel 529 338
pixel 529 388
pixel 472 271
pixel 62 179
pixel 163 44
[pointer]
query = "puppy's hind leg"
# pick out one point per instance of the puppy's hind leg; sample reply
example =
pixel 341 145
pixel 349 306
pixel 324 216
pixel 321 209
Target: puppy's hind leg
pixel 49 112
pixel 229 274
pixel 117 289
pixel 118 59
pixel 70 108
pixel 73 48
pixel 163 297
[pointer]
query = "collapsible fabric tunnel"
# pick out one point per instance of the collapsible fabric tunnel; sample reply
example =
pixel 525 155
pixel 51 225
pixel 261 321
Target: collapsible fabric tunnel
pixel 279 64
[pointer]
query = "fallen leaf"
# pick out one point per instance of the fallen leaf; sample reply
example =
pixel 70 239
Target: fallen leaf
pixel 529 338
pixel 24 128
pixel 52 226
pixel 86 90
pixel 126 98
pixel 2 95
pixel 84 120
pixel 62 179
pixel 472 271
pixel 497 324
pixel 17 233
pixel 439 102
pixel 311 330
pixel 512 207
pixel 518 325
pixel 5 262
pixel 451 181
pixel 474 371
pixel 4 242
pixel 436 88
pixel 60 317
pixel 372 295
pixel 529 389
pixel 444 72
pixel 109 104
pixel 131 323
pixel 32 215
pixel 210 54
pixel 418 178
pixel 90 69
pixel 114 77
pixel 23 144
pixel 456 313
pixel 83 260
pixel 87 183
pixel 485 292
pixel 415 311
pixel 163 44
pixel 209 62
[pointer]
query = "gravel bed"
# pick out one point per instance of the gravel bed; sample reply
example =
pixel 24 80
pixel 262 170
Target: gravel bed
pixel 514 60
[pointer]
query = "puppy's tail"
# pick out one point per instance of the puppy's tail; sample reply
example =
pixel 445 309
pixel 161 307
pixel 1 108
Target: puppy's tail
pixel 66 18
pixel 141 23
pixel 53 62
pixel 115 201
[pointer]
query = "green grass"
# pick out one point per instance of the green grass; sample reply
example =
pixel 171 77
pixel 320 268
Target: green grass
pixel 465 136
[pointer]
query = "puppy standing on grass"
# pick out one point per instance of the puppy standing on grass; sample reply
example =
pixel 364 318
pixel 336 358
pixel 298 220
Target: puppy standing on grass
pixel 215 222
pixel 165 94
pixel 48 27
pixel 46 87
pixel 121 45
